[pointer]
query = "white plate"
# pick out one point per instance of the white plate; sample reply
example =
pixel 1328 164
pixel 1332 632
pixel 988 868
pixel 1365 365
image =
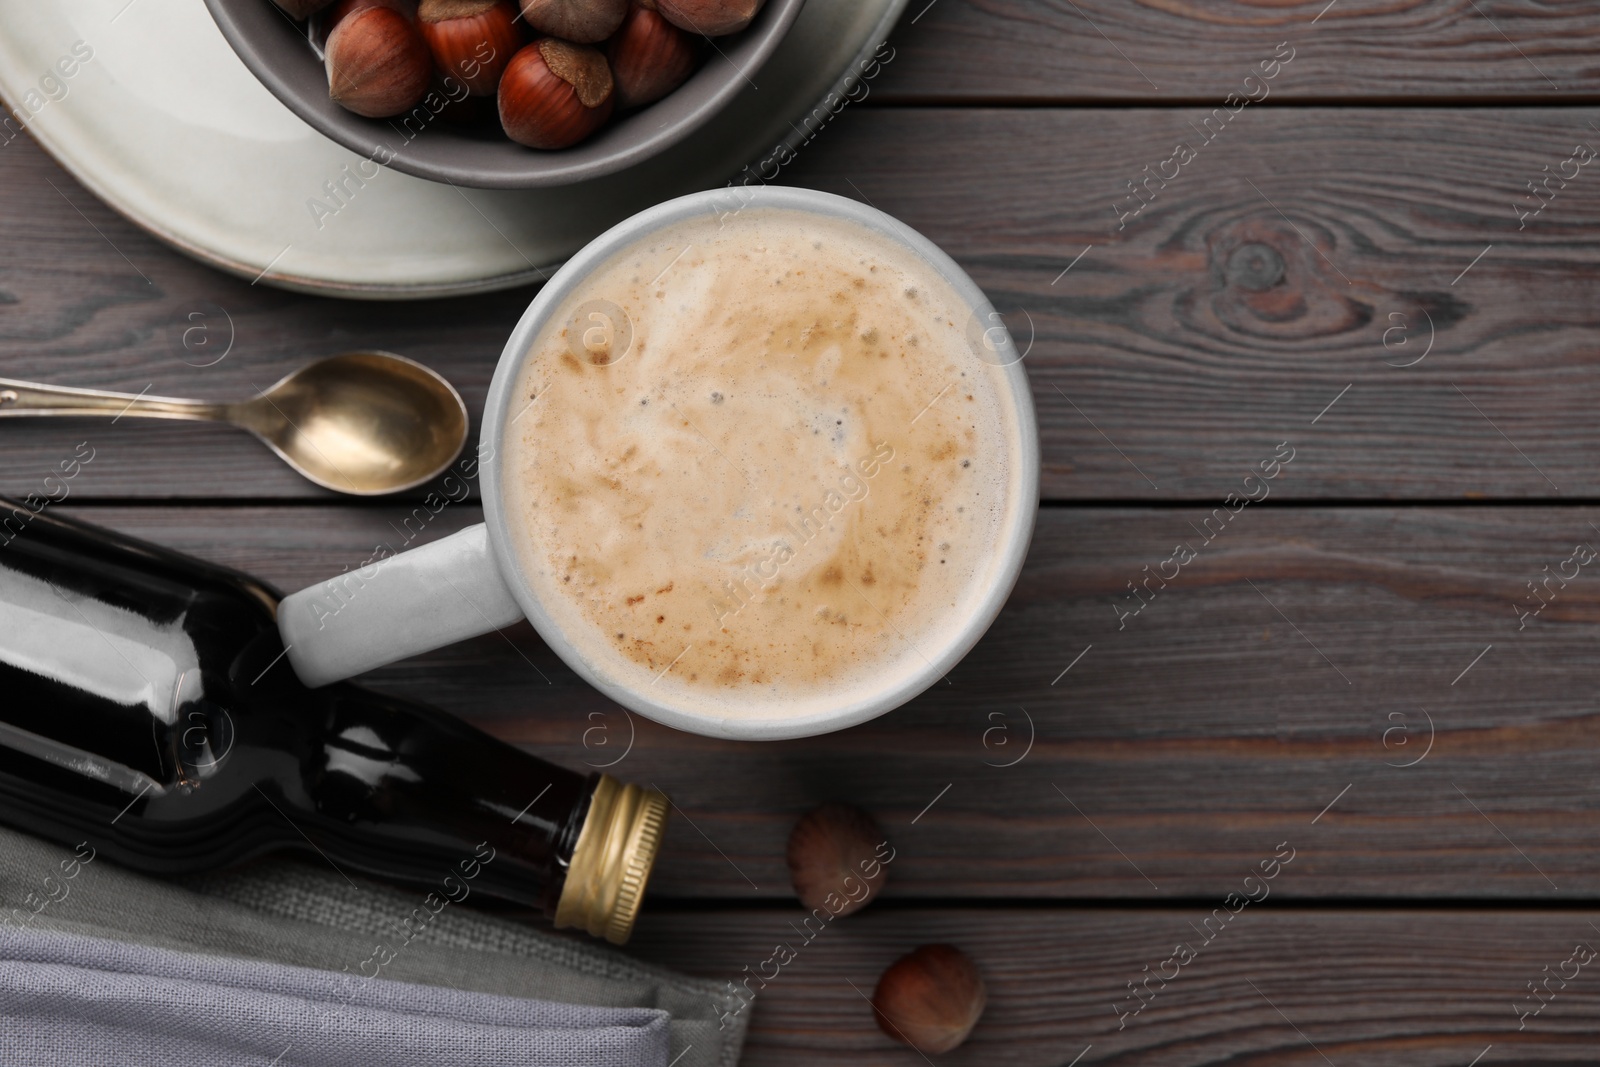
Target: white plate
pixel 165 124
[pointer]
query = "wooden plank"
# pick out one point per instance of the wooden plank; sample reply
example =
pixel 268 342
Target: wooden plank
pixel 1276 689
pixel 1355 50
pixel 1162 368
pixel 1276 986
pixel 1302 253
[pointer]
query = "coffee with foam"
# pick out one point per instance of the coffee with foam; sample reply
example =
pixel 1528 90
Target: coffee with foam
pixel 755 465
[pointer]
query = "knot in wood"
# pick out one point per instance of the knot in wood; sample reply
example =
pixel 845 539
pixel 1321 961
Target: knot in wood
pixel 1256 267
pixel 1271 279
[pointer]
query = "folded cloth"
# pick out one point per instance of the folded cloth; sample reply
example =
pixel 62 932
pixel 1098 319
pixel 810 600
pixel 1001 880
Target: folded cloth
pixel 307 914
pixel 67 998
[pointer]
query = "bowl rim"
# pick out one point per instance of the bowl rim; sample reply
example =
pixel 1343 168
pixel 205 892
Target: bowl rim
pixel 1011 549
pixel 772 24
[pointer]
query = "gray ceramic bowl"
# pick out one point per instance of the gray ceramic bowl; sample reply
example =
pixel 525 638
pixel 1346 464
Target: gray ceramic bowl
pixel 278 52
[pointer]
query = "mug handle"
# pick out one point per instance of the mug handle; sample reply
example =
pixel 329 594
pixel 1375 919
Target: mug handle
pixel 408 603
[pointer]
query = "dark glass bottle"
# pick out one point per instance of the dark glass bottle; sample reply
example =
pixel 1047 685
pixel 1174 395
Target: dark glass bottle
pixel 146 707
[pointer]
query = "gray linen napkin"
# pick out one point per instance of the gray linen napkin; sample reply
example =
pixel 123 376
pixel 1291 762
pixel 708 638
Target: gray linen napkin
pixel 66 998
pixel 303 913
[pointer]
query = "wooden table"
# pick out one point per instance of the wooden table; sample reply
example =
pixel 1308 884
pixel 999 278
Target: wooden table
pixel 1351 669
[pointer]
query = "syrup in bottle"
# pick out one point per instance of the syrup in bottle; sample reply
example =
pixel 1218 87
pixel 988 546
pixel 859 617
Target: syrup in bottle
pixel 146 708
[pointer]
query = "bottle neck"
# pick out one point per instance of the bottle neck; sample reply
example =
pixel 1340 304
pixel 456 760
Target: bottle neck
pixel 405 792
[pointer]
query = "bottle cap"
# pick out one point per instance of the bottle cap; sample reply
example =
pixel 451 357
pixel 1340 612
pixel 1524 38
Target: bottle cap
pixel 612 860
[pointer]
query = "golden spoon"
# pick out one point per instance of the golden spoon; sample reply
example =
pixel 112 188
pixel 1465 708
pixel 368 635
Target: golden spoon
pixel 361 422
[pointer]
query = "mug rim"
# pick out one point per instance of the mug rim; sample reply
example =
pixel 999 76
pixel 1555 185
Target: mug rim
pixel 1013 548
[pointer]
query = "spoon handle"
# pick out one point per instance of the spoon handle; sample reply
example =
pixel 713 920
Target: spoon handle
pixel 33 398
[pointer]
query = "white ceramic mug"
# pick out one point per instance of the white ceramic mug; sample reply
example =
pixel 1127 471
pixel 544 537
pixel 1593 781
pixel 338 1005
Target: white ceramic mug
pixel 471 582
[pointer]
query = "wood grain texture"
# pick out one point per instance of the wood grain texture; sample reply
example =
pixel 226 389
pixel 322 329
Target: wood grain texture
pixel 1152 50
pixel 1301 252
pixel 1304 651
pixel 1275 987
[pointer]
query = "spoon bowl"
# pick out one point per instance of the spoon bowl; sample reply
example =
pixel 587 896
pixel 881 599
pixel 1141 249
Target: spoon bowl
pixel 364 423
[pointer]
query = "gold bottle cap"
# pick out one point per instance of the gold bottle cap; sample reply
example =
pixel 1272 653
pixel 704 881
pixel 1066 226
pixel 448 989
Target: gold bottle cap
pixel 612 860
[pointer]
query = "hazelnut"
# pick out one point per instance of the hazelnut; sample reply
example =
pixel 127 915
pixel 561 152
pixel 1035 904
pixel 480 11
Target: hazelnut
pixel 555 93
pixel 649 56
pixel 471 39
pixel 836 853
pixel 930 998
pixel 378 64
pixel 582 21
pixel 709 18
pixel 301 9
